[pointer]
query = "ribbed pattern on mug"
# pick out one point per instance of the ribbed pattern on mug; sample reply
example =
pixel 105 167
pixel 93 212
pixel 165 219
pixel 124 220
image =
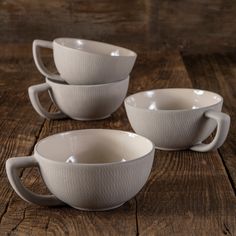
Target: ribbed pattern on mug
pixel 77 67
pixel 172 129
pixel 89 102
pixel 96 187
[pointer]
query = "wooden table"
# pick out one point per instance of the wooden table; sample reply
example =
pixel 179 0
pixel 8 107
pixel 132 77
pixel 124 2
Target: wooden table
pixel 188 193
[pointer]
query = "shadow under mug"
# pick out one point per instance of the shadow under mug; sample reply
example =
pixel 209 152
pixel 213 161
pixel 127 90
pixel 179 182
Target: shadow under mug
pixel 113 167
pixel 80 102
pixel 178 119
pixel 85 62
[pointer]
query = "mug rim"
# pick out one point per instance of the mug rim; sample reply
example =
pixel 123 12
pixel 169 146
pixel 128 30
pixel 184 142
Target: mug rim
pixel 93 164
pixel 173 110
pixel 64 83
pixel 132 53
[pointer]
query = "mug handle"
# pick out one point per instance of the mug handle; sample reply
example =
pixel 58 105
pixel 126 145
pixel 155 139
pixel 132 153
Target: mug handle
pixel 34 98
pixel 37 44
pixel 12 167
pixel 223 123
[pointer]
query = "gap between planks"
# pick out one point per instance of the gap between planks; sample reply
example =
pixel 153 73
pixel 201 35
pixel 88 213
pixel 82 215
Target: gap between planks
pixel 227 172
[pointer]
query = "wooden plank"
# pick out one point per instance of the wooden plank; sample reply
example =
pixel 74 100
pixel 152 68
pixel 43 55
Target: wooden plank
pixel 148 24
pixel 107 20
pixel 200 26
pixel 20 126
pixel 188 193
pixel 218 73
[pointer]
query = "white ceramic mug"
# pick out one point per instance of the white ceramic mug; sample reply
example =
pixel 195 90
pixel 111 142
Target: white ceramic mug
pixel 80 102
pixel 112 168
pixel 85 62
pixel 176 119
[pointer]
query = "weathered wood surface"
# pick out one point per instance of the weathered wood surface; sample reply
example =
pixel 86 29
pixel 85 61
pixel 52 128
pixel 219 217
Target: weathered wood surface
pixel 188 193
pixel 21 128
pixel 189 25
pixel 217 72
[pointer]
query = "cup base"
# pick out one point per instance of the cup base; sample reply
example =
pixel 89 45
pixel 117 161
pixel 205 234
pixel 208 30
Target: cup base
pixel 99 209
pixel 170 149
pixel 89 119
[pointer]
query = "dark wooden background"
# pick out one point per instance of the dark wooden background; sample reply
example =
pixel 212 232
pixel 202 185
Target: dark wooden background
pixel 193 26
pixel 184 43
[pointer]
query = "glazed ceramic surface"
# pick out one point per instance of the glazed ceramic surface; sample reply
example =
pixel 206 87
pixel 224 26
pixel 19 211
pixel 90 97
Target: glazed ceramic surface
pixel 86 62
pixel 80 102
pixel 177 119
pixel 112 168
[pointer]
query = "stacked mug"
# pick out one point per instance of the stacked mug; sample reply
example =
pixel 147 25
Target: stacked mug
pixel 92 82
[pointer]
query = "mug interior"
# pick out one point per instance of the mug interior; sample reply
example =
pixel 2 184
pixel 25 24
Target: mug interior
pixel 173 99
pixel 94 47
pixel 94 146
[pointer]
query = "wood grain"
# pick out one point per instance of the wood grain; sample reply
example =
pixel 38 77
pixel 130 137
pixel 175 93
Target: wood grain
pixel 19 131
pixel 192 26
pixel 18 136
pixel 217 72
pixel 187 193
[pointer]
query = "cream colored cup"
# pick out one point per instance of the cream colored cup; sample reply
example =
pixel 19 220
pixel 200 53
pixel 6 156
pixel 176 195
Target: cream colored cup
pixel 176 119
pixel 85 62
pixel 112 168
pixel 80 102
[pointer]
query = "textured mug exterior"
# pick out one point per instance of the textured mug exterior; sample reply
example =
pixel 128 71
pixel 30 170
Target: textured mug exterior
pixel 173 129
pixel 88 102
pixel 79 67
pixel 87 186
pixel 96 187
pixel 86 62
